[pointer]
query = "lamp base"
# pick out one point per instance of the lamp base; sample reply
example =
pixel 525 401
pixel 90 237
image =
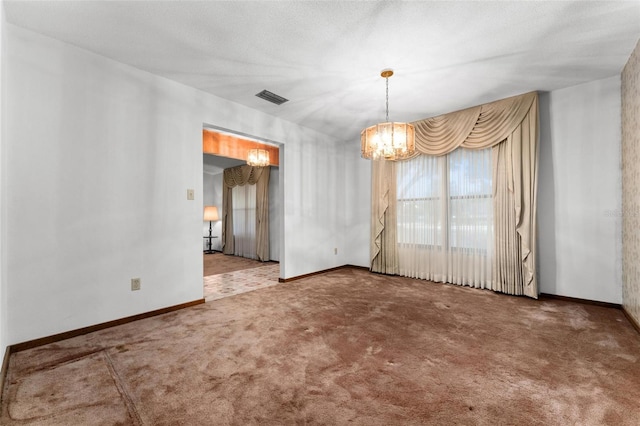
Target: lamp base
pixel 209 237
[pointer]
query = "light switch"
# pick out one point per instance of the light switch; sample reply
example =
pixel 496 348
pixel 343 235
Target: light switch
pixel 190 194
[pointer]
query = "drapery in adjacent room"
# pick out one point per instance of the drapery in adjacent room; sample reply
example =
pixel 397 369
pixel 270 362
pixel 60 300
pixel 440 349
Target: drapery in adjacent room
pixel 510 128
pixel 244 221
pixel 246 175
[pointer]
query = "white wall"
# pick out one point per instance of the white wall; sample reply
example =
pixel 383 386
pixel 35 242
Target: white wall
pixel 313 177
pixel 101 157
pixel 579 192
pixel 3 281
pixel 357 202
pixel 275 212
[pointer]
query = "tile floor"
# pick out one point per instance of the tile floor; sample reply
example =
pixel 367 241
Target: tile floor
pixel 237 282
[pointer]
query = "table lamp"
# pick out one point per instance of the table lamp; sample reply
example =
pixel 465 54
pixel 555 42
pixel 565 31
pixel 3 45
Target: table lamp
pixel 210 214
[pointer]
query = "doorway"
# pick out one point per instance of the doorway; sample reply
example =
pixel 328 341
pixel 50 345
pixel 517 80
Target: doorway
pixel 239 274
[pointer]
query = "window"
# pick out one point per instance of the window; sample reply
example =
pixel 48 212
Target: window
pixel 420 193
pixel 446 202
pixel 445 217
pixel 470 201
pixel 244 220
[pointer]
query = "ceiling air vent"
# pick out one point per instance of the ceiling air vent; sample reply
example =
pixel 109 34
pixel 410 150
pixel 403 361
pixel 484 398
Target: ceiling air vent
pixel 271 97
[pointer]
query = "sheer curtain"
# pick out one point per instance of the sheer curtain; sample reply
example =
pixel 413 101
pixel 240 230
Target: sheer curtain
pixel 244 220
pixel 445 217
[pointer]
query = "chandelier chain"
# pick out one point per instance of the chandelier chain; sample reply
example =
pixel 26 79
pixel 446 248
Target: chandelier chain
pixel 387 79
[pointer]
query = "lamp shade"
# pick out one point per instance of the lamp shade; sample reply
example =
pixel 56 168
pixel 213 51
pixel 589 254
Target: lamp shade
pixel 211 213
pixel 389 141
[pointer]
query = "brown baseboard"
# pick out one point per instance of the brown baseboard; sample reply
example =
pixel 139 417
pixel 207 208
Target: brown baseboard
pixel 362 268
pixel 631 319
pixel 80 331
pixel 578 300
pixel 3 372
pixel 324 271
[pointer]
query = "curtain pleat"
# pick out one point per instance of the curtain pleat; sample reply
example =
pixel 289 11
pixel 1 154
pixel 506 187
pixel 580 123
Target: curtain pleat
pixel 443 134
pixel 514 120
pixel 507 272
pixel 384 247
pixel 227 240
pixel 262 215
pixel 525 161
pixel 243 175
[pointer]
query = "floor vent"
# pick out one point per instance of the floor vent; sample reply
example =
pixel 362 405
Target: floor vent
pixel 271 97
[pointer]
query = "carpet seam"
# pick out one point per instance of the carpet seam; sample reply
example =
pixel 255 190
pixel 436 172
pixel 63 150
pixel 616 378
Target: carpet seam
pixel 54 364
pixel 4 371
pixel 128 401
pixel 4 403
pixel 60 362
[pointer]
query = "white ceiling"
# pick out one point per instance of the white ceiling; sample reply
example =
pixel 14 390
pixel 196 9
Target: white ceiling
pixel 326 56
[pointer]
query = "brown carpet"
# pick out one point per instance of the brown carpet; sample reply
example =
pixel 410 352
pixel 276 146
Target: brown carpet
pixel 345 347
pixel 218 263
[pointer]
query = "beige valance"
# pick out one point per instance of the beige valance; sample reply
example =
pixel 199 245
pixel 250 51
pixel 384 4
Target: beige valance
pixel 242 175
pixel 475 128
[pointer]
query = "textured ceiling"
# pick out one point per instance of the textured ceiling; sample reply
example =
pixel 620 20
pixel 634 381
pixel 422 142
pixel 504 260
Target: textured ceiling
pixel 326 56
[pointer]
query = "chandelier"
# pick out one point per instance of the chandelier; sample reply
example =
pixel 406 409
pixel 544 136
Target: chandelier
pixel 258 157
pixel 388 140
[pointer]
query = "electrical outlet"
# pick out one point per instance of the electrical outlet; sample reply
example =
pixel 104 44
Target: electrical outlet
pixel 335 250
pixel 135 284
pixel 190 194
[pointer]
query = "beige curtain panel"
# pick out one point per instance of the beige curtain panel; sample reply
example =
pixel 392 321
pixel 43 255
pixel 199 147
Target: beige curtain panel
pixel 510 127
pixel 384 244
pixel 247 175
